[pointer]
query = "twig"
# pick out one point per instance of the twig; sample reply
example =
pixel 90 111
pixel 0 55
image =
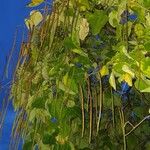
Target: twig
pixel 137 125
pixel 128 122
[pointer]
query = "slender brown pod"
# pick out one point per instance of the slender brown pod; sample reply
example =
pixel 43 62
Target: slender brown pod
pixel 82 106
pixel 90 110
pixel 100 104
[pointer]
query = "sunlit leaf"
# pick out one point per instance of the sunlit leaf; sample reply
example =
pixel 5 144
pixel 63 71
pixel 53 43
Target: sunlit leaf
pixel 34 19
pixel 148 19
pixel 61 139
pixel 139 30
pixel 84 29
pixel 65 79
pixel 146 90
pixel 35 3
pixel 126 69
pixel 104 71
pixel 142 84
pixel 113 18
pixel 70 103
pixel 83 5
pixel 127 78
pixel 145 67
pixel 112 80
pixel 65 89
pixel 80 52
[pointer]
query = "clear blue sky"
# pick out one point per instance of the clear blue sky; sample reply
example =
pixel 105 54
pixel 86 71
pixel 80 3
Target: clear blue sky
pixel 12 14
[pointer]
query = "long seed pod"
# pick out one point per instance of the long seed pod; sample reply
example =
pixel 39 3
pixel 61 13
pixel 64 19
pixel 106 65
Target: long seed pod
pixel 100 104
pixel 90 110
pixel 96 105
pixel 11 53
pixel 123 128
pixel 82 107
pixel 112 107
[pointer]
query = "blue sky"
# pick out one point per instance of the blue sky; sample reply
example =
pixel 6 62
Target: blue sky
pixel 12 14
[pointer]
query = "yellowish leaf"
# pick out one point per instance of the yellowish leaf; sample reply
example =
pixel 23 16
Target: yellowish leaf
pixel 65 79
pixel 84 29
pixel 139 30
pixel 61 140
pixel 126 69
pixel 35 3
pixel 104 71
pixel 147 19
pixel 127 78
pixel 113 18
pixel 112 80
pixel 34 19
pixel 70 103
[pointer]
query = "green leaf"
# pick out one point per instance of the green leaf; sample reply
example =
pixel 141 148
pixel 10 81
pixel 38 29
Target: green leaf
pixel 142 84
pixel 146 90
pixel 39 102
pixel 138 111
pixel 80 52
pixel 39 114
pixel 139 30
pixel 97 20
pixel 145 67
pixel 132 142
pixel 146 3
pixel 65 79
pixel 148 19
pixel 65 89
pixel 84 3
pixel 72 113
pixel 147 146
pixel 147 46
pixel 48 139
pixel 68 43
pixel 27 145
pixel 128 70
pixel 70 103
pixel 113 18
pixel 65 146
